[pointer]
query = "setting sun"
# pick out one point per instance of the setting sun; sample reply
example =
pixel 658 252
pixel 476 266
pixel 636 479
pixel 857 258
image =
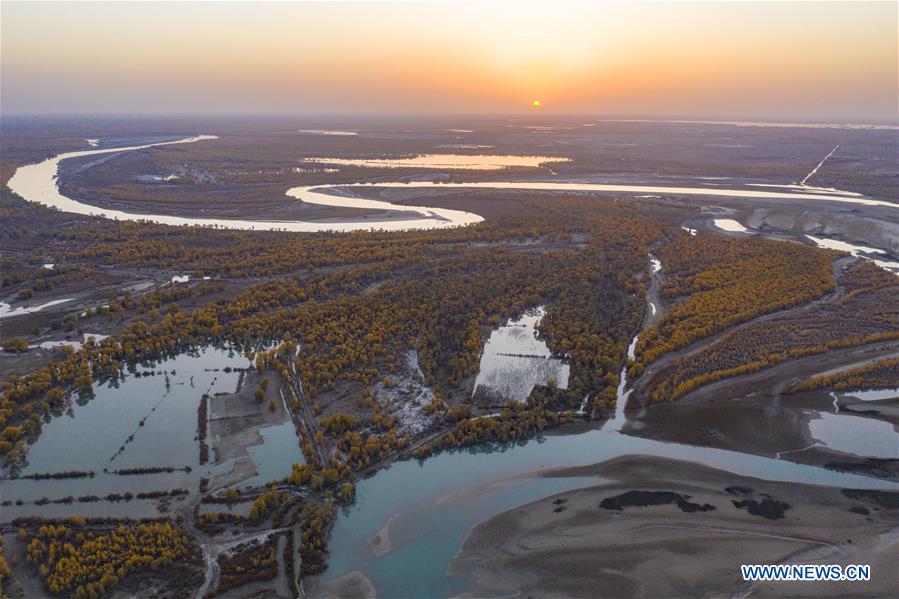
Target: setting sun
pixel 620 59
pixel 327 281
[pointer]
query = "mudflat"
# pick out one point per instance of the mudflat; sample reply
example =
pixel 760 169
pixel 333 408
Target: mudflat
pixel 653 527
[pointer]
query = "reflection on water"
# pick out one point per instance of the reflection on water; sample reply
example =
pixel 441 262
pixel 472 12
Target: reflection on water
pixel 145 419
pixel 328 132
pixel 465 146
pixel 515 360
pixel 38 183
pixel 431 218
pixel 857 435
pixel 859 251
pixel 483 162
pixel 729 224
pixel 871 394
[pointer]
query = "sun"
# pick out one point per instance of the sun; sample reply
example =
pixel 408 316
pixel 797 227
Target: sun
pixel 536 104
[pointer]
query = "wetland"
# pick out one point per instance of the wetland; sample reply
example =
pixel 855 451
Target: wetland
pixel 416 373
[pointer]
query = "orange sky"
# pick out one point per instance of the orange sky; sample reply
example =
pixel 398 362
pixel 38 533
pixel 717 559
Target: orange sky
pixel 808 60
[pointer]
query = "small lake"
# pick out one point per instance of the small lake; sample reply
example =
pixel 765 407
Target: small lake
pixel 515 359
pixel 730 225
pixel 148 419
pixel 279 448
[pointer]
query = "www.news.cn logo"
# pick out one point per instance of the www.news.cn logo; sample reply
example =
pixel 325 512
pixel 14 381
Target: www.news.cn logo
pixel 801 572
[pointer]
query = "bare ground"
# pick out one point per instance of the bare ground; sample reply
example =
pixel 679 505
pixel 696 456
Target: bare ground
pixel 234 423
pixel 566 545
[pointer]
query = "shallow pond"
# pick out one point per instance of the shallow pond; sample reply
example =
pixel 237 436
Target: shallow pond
pixel 515 359
pixel 730 225
pixel 866 437
pixel 871 394
pixel 273 457
pixel 146 419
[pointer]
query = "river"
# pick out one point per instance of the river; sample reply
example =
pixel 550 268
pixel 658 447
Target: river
pixel 422 511
pixel 429 507
pixel 39 183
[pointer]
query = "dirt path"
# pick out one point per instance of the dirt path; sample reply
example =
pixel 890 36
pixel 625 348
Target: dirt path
pixel 282 585
pixel 213 549
pixel 304 419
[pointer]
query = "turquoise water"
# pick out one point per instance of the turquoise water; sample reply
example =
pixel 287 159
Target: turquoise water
pixel 432 505
pixel 274 457
pixel 139 421
pixel 158 413
pixel 103 430
pixel 855 435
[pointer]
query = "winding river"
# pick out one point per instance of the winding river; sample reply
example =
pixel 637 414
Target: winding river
pixel 39 183
pixel 420 512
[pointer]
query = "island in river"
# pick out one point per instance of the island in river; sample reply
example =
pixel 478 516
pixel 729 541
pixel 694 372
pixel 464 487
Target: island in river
pixel 368 368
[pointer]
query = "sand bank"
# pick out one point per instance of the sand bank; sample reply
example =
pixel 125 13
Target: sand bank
pixel 568 545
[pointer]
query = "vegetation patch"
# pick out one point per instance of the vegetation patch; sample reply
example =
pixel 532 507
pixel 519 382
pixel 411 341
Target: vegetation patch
pixel 248 562
pixel 648 498
pixel 718 282
pixel 883 374
pixel 866 314
pixel 84 562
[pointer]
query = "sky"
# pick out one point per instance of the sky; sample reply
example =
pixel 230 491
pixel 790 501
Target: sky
pixel 824 61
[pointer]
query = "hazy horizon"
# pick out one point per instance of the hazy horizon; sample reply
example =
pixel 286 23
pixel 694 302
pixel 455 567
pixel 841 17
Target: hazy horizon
pixel 805 62
pixel 511 117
